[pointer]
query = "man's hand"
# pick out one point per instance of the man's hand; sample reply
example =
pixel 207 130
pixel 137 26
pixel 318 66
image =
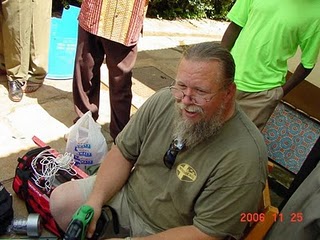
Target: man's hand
pixel 94 220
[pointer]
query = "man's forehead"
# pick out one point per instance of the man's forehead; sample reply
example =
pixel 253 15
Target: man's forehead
pixel 199 71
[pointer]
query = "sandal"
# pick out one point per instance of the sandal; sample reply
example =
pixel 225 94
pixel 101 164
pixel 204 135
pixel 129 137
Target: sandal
pixel 31 87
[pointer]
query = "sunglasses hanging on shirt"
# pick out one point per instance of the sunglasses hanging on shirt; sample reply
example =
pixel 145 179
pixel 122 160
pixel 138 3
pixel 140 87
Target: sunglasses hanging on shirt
pixel 170 156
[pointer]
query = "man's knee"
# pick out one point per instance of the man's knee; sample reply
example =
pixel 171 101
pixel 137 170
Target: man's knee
pixel 64 201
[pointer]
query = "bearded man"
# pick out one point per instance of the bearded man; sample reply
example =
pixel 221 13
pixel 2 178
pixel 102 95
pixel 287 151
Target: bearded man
pixel 186 166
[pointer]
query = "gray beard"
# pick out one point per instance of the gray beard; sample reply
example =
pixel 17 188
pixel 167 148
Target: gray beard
pixel 194 133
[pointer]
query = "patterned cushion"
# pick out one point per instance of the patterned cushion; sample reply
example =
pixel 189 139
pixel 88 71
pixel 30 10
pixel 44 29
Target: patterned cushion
pixel 290 135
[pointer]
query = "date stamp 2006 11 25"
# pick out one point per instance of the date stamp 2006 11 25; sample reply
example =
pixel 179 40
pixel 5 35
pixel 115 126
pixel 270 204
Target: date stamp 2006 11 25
pixel 260 217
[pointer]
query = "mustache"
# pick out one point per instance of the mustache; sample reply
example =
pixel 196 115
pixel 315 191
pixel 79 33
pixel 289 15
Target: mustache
pixel 190 108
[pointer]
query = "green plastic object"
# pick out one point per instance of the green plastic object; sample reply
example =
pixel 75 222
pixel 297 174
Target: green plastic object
pixel 77 228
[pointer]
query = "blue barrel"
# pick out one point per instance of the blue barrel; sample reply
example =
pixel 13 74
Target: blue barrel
pixel 63 43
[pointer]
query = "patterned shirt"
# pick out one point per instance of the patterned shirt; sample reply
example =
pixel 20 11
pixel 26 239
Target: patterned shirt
pixel 117 20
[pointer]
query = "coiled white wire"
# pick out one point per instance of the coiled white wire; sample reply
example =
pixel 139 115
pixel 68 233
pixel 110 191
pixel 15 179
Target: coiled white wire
pixel 45 166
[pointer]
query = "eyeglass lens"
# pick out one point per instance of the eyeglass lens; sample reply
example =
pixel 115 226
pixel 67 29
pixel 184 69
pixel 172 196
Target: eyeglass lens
pixel 179 94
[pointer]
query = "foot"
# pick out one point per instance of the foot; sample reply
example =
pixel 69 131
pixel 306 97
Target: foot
pixel 15 90
pixel 31 87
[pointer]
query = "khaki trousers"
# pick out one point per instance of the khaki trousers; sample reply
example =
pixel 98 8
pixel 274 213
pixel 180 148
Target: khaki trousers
pixel 260 105
pixel 26 33
pixel 130 223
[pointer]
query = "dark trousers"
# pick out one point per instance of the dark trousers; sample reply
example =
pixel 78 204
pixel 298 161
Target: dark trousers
pixel 120 59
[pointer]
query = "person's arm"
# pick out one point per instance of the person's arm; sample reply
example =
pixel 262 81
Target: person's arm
pixel 297 77
pixel 230 36
pixel 111 177
pixel 185 233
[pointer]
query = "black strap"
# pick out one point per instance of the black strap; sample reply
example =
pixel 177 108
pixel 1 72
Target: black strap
pixel 115 219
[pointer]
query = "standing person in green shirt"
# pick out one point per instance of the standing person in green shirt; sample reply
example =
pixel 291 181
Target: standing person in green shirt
pixel 262 36
pixel 187 165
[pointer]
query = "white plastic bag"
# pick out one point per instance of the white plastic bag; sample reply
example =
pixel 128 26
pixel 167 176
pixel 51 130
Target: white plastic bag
pixel 86 142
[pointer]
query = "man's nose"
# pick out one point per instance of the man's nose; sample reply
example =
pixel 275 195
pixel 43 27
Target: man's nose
pixel 187 97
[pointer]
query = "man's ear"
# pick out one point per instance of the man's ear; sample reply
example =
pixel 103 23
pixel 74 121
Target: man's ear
pixel 231 90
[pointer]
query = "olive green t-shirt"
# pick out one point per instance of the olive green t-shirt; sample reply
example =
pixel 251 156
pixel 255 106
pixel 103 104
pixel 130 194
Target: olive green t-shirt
pixel 271 33
pixel 209 186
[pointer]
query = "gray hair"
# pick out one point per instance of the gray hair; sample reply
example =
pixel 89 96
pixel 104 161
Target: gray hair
pixel 208 51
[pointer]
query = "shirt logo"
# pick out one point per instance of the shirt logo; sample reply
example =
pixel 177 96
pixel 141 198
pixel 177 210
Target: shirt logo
pixel 186 173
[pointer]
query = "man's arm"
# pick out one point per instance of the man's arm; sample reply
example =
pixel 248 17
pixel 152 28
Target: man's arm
pixel 111 177
pixel 230 35
pixel 298 76
pixel 185 233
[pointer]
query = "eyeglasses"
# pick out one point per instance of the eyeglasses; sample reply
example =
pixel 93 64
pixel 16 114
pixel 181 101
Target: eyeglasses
pixel 171 154
pixel 196 99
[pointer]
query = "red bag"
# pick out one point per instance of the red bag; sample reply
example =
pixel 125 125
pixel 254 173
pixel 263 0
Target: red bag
pixel 33 189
